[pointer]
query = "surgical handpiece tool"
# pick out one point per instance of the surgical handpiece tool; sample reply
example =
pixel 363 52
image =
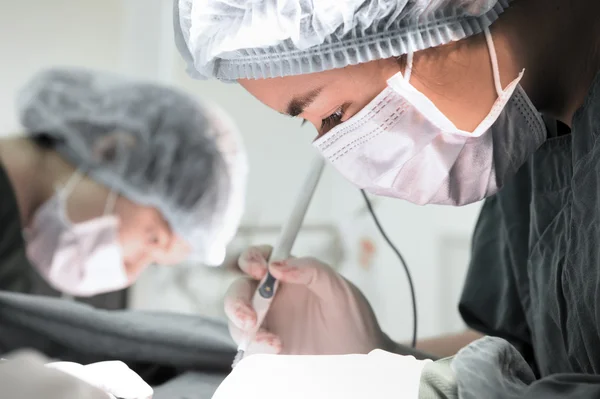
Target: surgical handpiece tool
pixel 281 251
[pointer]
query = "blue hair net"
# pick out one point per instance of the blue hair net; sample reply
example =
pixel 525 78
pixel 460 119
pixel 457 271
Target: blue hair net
pixel 154 145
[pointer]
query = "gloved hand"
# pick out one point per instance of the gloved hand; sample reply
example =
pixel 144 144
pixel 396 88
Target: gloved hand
pixel 113 377
pixel 379 374
pixel 315 310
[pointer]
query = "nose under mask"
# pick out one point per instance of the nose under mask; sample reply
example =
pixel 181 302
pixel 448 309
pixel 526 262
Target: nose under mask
pixel 401 145
pixel 80 259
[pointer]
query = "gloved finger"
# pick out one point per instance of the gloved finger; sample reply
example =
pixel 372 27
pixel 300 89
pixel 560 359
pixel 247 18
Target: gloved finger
pixel 264 342
pixel 253 261
pixel 310 272
pixel 238 301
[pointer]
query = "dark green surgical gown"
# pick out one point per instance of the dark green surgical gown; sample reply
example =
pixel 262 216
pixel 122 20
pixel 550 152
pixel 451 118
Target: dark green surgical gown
pixel 534 277
pixel 16 272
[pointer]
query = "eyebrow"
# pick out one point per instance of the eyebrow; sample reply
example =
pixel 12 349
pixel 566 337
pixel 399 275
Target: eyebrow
pixel 298 104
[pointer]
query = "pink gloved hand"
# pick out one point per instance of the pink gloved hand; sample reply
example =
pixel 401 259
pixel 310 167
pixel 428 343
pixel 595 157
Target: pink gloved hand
pixel 315 310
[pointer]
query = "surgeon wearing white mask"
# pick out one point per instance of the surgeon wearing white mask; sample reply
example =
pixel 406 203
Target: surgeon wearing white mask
pixel 438 102
pixel 113 175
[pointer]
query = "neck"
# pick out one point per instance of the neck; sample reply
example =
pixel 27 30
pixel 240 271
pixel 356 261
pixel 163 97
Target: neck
pixel 23 162
pixel 556 42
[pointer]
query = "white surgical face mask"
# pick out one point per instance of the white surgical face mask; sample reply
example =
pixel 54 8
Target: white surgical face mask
pixel 80 259
pixel 401 145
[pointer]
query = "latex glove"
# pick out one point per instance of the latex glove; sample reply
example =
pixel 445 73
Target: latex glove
pixel 379 374
pixel 315 310
pixel 113 377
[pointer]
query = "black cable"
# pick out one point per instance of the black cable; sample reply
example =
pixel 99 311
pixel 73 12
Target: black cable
pixel 406 269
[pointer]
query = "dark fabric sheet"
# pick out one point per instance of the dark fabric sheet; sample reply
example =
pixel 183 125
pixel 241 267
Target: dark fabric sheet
pixel 159 346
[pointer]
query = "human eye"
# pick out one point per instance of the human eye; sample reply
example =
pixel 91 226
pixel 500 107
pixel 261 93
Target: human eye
pixel 332 120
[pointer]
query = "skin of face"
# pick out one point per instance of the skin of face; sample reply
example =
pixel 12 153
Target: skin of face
pixel 145 236
pixel 559 66
pixel 463 90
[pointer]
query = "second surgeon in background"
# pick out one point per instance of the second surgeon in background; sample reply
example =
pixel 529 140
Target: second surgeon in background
pixel 111 176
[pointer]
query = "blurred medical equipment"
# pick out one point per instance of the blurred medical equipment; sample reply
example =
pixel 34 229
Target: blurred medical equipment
pixel 267 288
pixel 382 374
pixel 113 377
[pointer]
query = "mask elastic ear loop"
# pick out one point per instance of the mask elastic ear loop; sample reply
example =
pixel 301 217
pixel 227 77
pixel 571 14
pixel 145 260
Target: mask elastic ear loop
pixel 409 65
pixel 494 60
pixel 69 186
pixel 111 201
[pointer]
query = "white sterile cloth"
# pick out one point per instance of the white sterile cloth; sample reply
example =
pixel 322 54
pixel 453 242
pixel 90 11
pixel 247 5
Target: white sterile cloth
pixel 113 377
pixel 379 373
